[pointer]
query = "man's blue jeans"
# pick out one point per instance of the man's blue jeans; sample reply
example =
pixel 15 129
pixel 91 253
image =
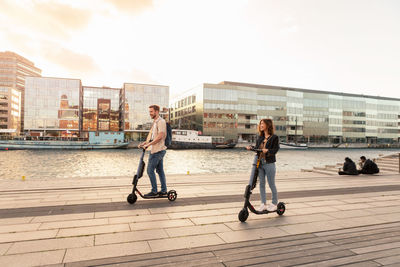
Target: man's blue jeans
pixel 156 163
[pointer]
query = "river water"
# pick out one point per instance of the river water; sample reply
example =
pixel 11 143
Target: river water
pixel 94 163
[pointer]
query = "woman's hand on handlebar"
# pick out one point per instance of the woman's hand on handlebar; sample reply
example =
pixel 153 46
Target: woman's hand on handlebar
pixel 249 147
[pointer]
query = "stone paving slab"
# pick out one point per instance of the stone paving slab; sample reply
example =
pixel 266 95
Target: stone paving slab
pixel 112 250
pixel 197 230
pixel 351 216
pixel 91 230
pixel 22 236
pixel 185 242
pixel 51 244
pixel 73 223
pixel 143 235
pixel 33 259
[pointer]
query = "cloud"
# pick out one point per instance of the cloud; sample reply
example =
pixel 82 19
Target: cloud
pixel 71 61
pixel 65 16
pixel 51 19
pixel 134 6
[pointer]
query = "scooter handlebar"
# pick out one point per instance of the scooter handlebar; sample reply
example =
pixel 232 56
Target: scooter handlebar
pixel 253 148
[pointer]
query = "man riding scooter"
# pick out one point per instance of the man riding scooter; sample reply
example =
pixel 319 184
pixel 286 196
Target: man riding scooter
pixel 156 141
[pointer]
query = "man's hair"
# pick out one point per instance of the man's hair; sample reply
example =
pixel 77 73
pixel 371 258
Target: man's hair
pixel 363 158
pixel 155 107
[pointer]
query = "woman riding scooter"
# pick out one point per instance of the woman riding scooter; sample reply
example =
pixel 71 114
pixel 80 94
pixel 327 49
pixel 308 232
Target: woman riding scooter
pixel 269 143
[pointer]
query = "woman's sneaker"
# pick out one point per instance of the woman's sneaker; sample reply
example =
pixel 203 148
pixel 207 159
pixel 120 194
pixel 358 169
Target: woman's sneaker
pixel 272 207
pixel 262 207
pixel 151 194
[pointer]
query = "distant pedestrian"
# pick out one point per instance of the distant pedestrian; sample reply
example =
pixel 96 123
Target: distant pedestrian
pixel 349 167
pixel 368 166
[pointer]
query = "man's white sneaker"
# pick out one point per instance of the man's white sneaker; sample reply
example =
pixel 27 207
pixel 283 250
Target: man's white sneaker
pixel 262 207
pixel 272 207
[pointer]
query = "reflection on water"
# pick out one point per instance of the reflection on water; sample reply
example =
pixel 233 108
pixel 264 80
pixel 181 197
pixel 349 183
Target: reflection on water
pixel 60 164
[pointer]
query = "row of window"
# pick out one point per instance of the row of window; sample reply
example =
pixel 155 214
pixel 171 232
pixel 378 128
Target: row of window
pixel 185 101
pixel 185 111
pixel 221 115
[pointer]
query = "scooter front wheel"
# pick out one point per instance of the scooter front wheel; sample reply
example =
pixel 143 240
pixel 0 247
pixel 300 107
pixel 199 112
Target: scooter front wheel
pixel 280 208
pixel 172 195
pixel 243 215
pixel 131 198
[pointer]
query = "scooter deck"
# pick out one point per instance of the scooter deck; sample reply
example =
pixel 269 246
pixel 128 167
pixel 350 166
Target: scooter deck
pixel 263 212
pixel 147 197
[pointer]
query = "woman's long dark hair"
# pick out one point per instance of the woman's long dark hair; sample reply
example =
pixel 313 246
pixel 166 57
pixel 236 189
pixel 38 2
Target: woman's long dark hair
pixel 270 127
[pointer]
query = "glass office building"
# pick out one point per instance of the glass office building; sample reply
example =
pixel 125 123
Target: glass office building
pixel 233 110
pixel 63 107
pixel 137 99
pixel 101 109
pixel 13 70
pixel 52 106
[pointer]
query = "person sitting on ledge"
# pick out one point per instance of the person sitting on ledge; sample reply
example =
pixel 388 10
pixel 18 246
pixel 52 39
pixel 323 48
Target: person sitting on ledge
pixel 349 167
pixel 368 166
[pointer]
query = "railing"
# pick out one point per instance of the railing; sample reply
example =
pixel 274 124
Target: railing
pixel 42 138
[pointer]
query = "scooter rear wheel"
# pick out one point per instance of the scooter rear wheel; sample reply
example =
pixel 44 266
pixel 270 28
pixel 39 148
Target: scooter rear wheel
pixel 172 195
pixel 243 215
pixel 280 208
pixel 131 198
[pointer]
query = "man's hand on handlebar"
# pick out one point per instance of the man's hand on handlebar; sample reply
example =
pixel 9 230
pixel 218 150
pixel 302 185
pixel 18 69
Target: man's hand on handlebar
pixel 144 145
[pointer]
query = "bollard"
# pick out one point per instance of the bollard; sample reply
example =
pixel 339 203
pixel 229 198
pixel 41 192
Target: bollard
pixel 23 178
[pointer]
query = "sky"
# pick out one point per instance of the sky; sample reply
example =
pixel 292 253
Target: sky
pixel 350 46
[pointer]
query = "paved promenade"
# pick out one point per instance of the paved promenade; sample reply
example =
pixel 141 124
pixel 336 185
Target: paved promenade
pixel 330 220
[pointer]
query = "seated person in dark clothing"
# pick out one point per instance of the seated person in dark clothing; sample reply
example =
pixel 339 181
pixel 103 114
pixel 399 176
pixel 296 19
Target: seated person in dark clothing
pixel 369 167
pixel 349 167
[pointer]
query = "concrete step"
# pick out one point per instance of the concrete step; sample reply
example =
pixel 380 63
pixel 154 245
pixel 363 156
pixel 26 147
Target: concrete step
pixel 324 172
pixel 389 169
pixel 395 161
pixel 319 168
pixel 389 159
pixel 332 169
pixel 387 165
pixel 330 166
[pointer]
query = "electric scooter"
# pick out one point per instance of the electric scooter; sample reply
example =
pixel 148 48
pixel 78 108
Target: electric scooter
pixel 244 213
pixel 171 195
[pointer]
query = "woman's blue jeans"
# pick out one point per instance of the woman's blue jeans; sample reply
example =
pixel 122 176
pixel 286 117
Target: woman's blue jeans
pixel 156 163
pixel 268 170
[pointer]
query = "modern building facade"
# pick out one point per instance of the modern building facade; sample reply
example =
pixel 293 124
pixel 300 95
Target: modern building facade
pixel 63 107
pixel 102 109
pixel 13 70
pixel 233 110
pixel 52 106
pixel 137 99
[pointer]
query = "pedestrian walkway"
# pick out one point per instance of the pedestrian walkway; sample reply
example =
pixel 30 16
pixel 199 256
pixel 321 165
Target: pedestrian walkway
pixel 330 220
